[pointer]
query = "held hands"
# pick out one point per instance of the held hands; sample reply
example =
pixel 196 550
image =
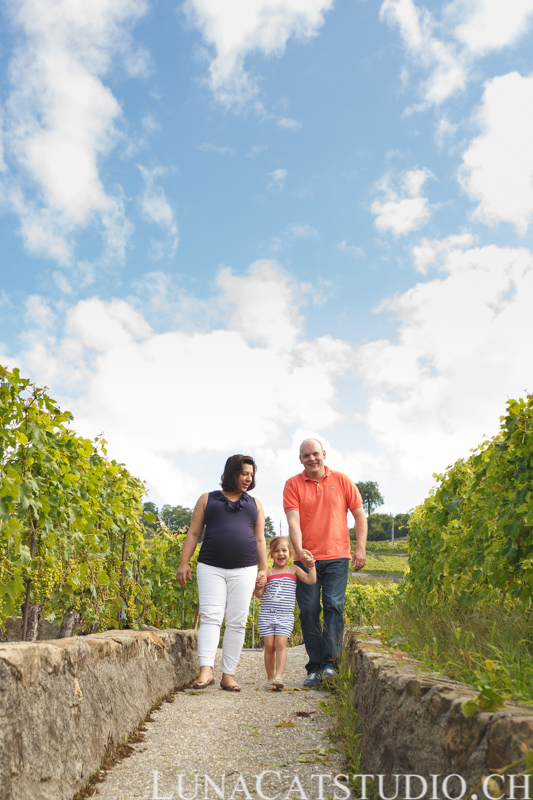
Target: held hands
pixel 359 558
pixel 307 559
pixel 183 573
pixel 261 580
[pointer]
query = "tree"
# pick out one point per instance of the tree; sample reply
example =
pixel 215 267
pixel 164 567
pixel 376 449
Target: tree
pixel 380 527
pixel 269 528
pixel 372 497
pixel 149 519
pixel 176 517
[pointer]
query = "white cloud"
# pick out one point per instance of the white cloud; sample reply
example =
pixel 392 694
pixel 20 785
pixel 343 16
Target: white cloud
pixel 491 25
pixel 446 43
pixel 498 165
pixel 223 150
pixel 240 386
pixel 61 121
pixel 234 30
pixel 288 124
pixel 156 208
pixel 352 249
pixel 403 214
pixel 277 180
pixel 150 124
pixel 255 382
pixel 291 233
pixel 445 131
pixel 431 253
pixel 256 151
pixel 463 348
pixel 447 69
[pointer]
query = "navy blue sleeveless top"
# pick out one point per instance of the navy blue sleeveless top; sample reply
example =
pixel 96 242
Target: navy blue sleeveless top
pixel 229 540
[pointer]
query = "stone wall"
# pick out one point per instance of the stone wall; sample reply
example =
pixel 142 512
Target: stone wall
pixel 411 721
pixel 64 702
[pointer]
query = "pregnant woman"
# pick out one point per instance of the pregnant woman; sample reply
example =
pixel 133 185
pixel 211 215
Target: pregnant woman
pixel 233 548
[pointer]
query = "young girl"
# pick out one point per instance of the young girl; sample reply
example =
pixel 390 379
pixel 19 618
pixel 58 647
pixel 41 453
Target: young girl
pixel 276 618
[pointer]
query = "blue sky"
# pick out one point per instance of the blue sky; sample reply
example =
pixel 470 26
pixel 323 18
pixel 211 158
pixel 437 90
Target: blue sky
pixel 228 225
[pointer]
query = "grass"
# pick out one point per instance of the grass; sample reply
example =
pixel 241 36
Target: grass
pixel 387 548
pixel 391 565
pixel 346 733
pixel 370 580
pixel 484 647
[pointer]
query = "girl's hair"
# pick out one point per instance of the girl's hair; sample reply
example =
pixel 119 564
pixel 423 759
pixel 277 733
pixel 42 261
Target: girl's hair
pixel 233 469
pixel 275 541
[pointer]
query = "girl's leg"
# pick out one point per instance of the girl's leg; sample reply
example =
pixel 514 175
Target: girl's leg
pixel 212 596
pixel 240 585
pixel 280 646
pixel 270 656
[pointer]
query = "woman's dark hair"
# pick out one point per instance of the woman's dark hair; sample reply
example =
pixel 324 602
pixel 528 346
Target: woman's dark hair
pixel 233 469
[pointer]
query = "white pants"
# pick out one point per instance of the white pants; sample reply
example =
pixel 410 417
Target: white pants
pixel 223 593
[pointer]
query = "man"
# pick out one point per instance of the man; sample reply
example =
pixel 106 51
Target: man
pixel 316 503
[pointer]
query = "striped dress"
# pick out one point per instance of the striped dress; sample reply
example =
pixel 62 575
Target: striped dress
pixel 277 605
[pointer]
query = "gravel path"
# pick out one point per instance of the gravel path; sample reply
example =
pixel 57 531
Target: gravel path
pixel 232 738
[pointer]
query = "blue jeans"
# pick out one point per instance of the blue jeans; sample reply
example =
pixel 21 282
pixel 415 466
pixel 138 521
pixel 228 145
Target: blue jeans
pixel 323 640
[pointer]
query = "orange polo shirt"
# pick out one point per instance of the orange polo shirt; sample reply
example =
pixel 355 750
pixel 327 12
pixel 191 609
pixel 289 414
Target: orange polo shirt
pixel 323 507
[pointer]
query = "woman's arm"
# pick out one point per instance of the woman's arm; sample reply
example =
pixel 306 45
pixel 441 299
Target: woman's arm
pixel 305 577
pixel 259 533
pixel 191 540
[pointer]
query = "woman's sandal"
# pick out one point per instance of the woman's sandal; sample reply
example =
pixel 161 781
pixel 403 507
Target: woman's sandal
pixel 270 685
pixel 278 683
pixel 203 684
pixel 230 687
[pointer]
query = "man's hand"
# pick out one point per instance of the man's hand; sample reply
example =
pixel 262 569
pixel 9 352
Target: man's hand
pixel 359 558
pixel 306 558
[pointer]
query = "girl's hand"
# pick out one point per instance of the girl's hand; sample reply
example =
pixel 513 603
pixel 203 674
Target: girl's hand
pixel 183 573
pixel 307 559
pixel 261 579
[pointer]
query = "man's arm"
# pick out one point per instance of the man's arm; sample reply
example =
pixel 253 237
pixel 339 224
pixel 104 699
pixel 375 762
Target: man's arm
pixel 361 529
pixel 295 534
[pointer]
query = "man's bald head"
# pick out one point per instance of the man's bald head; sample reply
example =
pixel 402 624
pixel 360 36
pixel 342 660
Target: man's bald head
pixel 311 442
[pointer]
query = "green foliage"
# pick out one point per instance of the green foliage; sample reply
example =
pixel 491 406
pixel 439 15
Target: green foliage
pixel 270 531
pixel 380 527
pixel 176 518
pixel 487 700
pixel 386 565
pixel 387 548
pixel 347 732
pixel 150 519
pixel 489 648
pixel 171 605
pixel 471 541
pixel 70 532
pixel 363 602
pixel 372 497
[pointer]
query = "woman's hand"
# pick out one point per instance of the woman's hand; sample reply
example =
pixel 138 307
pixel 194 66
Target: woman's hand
pixel 184 572
pixel 261 579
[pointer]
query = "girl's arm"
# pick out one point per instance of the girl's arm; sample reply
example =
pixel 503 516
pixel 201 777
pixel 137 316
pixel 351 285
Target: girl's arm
pixel 191 540
pixel 305 577
pixel 259 590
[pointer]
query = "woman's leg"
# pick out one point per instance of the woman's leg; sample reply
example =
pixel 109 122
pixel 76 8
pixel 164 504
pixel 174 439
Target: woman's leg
pixel 212 596
pixel 270 657
pixel 280 646
pixel 240 586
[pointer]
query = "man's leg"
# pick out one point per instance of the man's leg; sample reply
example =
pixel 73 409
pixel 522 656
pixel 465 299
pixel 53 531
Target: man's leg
pixel 308 598
pixel 334 582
